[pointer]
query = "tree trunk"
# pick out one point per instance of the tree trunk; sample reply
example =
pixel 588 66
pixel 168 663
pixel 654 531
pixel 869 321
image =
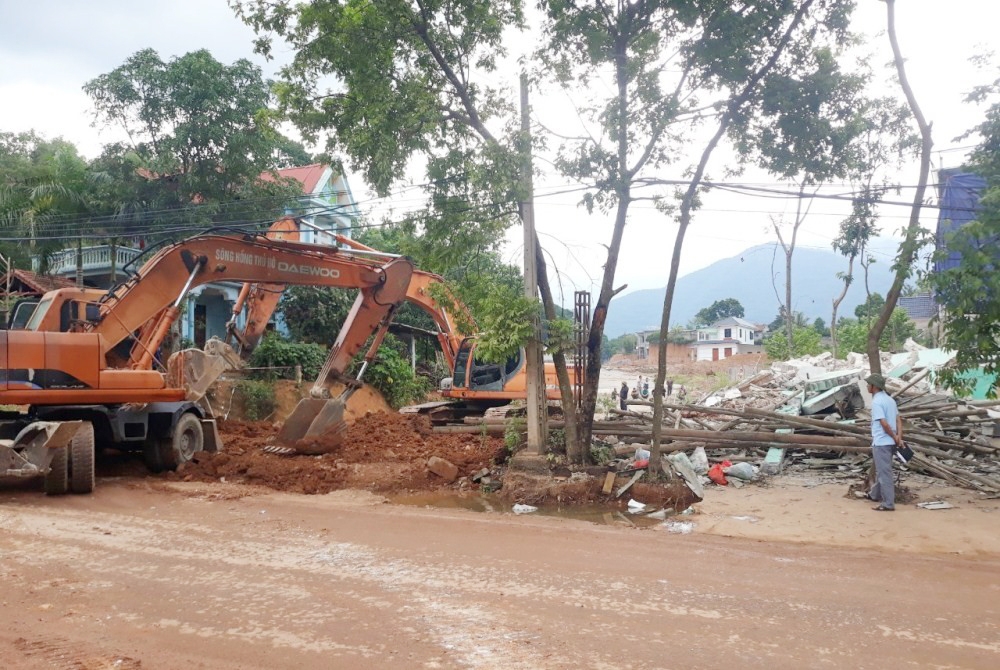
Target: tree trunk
pixel 687 204
pixel 575 451
pixel 588 403
pixel 839 299
pixel 908 249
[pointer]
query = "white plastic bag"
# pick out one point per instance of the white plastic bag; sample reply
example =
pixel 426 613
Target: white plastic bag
pixel 743 471
pixel 699 461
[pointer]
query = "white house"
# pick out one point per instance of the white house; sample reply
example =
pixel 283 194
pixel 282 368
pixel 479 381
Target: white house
pixel 724 338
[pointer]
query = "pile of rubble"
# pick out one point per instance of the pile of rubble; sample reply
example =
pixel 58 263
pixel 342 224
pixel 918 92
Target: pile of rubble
pixel 815 412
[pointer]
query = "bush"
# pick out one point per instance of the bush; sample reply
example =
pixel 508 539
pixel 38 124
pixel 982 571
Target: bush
pixel 258 399
pixel 805 342
pixel 276 352
pixel 392 375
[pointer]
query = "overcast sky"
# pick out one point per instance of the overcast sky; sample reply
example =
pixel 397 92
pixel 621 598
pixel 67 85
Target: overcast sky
pixel 50 48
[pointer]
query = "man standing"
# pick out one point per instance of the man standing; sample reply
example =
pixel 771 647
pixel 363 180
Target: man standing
pixel 623 397
pixel 670 387
pixel 887 434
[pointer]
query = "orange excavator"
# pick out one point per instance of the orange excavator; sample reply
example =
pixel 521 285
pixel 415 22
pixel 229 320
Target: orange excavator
pixel 91 360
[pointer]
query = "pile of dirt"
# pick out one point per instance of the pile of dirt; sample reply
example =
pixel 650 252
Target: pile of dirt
pixel 519 487
pixel 384 452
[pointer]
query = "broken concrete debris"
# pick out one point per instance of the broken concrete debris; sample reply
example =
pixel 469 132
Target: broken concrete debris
pixel 814 413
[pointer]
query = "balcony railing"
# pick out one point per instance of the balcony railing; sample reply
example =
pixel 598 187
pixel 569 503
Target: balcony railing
pixel 96 260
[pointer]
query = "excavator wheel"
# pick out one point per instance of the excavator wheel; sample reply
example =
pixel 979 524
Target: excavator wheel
pixel 167 453
pixel 81 460
pixel 57 478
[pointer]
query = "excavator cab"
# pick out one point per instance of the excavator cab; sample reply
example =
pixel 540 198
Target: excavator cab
pixel 477 375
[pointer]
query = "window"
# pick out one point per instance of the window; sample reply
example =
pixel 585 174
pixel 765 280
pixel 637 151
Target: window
pixel 728 333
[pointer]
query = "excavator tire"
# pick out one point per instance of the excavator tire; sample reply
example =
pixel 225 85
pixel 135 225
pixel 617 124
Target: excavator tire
pixel 57 479
pixel 167 453
pixel 81 460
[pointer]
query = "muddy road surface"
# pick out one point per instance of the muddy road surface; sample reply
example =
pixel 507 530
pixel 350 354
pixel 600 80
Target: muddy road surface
pixel 151 574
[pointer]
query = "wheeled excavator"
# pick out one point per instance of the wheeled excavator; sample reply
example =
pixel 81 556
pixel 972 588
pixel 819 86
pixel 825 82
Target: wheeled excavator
pixel 89 368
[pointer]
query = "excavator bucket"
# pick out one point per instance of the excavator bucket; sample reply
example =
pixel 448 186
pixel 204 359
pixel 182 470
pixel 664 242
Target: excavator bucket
pixel 196 370
pixel 315 426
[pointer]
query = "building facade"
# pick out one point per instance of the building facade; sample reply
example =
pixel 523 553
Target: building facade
pixel 724 338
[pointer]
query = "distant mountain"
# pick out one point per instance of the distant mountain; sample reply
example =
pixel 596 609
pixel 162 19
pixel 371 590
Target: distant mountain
pixel 748 278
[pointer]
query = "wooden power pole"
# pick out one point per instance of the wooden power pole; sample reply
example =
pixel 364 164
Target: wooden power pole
pixel 535 362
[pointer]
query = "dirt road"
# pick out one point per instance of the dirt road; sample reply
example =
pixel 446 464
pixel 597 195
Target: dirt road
pixel 191 575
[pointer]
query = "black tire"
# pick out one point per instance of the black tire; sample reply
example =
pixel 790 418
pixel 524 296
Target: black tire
pixel 57 478
pixel 81 460
pixel 186 440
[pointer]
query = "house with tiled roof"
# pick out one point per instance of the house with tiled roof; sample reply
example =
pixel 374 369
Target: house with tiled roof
pixel 724 338
pixel 327 207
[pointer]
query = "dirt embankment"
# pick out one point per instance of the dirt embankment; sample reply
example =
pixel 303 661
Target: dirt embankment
pixel 384 452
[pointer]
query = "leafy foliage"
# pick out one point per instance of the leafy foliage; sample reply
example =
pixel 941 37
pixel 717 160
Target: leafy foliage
pixel 805 342
pixel 852 335
pixel 275 351
pixel 720 309
pixel 315 313
pixel 392 375
pixel 258 399
pixel 200 132
pixel 970 292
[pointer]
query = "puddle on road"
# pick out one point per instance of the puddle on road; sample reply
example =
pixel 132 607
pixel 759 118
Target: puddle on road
pixel 599 514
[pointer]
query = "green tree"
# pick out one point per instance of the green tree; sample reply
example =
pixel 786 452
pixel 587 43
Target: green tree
pixel 807 132
pixel 417 84
pixel 970 292
pixel 315 314
pixel 805 342
pixel 44 186
pixel 854 334
pixel 200 132
pixel 884 140
pixel 819 325
pixel 870 308
pixel 913 234
pixel 720 309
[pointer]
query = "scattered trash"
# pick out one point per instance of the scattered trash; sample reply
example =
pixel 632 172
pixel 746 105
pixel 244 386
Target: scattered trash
pixel 699 461
pixel 635 507
pixel 524 509
pixel 716 473
pixel 681 527
pixel 744 471
pixel 935 504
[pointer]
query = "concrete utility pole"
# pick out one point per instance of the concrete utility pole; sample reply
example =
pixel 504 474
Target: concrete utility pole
pixel 535 362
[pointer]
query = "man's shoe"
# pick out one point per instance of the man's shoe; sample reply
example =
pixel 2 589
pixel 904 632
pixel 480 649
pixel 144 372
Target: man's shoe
pixel 883 508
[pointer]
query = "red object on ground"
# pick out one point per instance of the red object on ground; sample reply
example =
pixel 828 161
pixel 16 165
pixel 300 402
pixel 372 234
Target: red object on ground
pixel 716 475
pixel 641 464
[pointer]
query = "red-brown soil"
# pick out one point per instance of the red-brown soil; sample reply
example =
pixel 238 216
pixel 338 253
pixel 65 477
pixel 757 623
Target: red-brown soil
pixel 384 452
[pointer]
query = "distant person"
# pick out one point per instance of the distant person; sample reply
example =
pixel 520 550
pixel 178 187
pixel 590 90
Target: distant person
pixel 645 388
pixel 623 396
pixel 614 394
pixel 670 387
pixel 682 393
pixel 887 434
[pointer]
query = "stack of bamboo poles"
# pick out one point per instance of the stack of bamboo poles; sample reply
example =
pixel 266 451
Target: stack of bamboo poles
pixel 946 434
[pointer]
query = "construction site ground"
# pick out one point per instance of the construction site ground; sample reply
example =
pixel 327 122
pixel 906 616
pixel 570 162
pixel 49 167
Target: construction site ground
pixel 249 560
